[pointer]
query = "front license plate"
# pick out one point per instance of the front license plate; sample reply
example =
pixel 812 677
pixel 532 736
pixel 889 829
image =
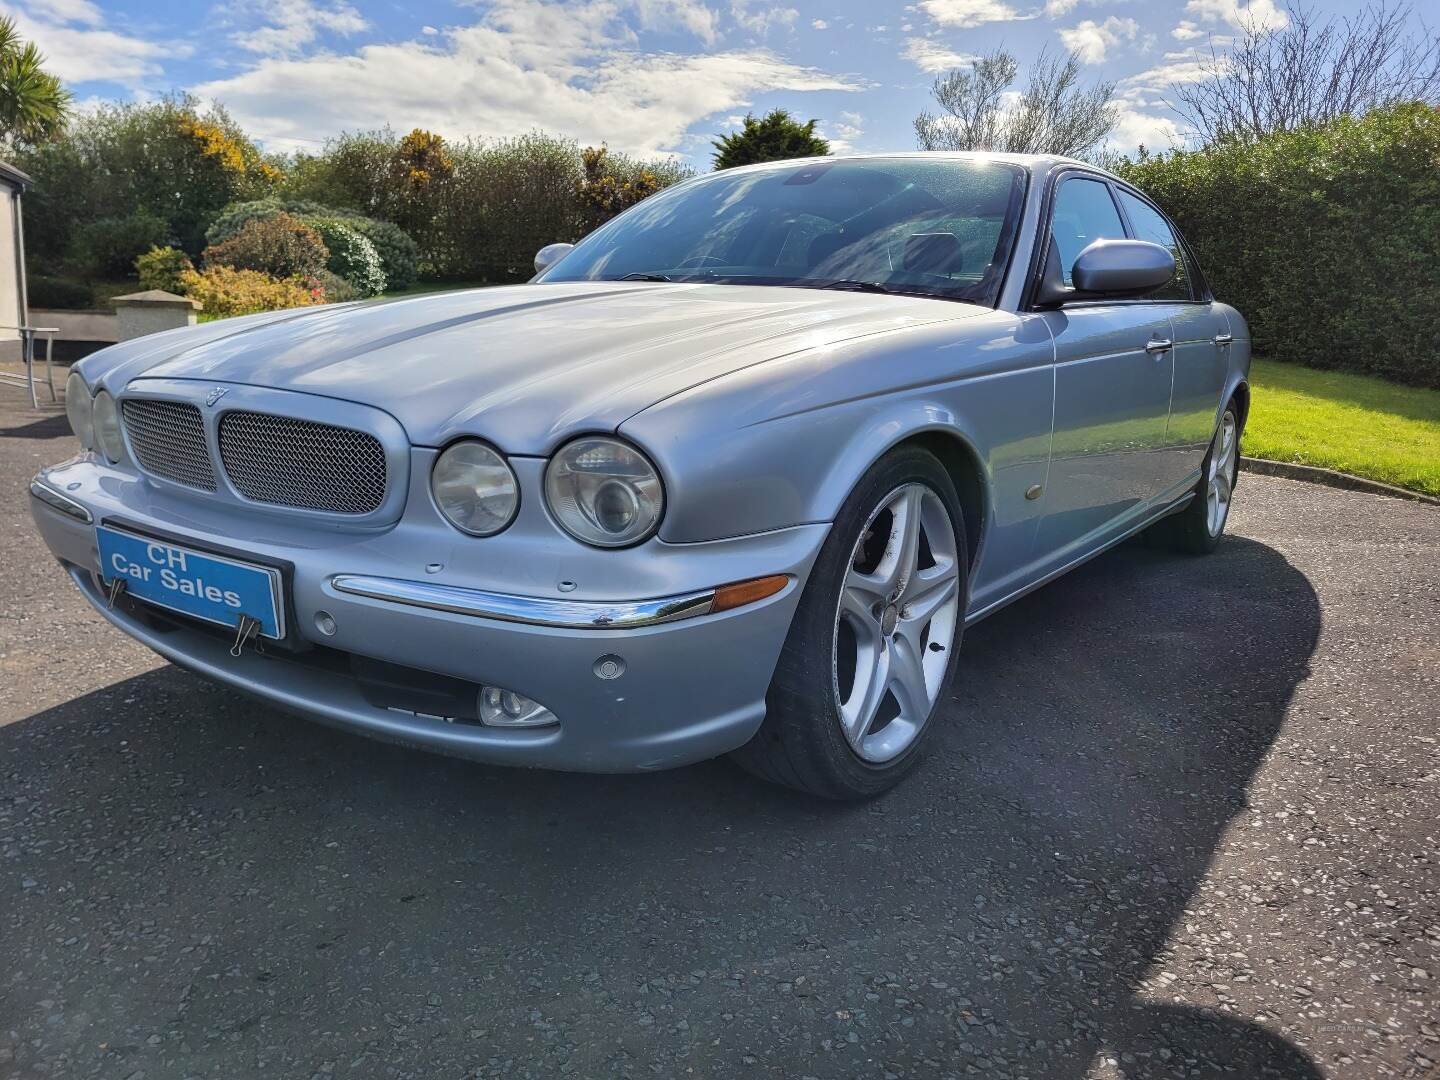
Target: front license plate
pixel 209 587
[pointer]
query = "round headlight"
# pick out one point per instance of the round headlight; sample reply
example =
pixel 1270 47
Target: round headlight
pixel 79 410
pixel 604 492
pixel 106 418
pixel 474 488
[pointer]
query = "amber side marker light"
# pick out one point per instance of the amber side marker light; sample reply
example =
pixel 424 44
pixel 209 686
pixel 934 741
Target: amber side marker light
pixel 747 592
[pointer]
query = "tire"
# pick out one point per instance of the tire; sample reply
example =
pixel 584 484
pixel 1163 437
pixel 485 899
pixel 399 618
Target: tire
pixel 854 694
pixel 1198 528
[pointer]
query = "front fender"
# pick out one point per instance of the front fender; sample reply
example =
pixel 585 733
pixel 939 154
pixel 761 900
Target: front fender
pixel 784 442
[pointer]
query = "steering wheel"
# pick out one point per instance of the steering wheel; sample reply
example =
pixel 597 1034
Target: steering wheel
pixel 700 260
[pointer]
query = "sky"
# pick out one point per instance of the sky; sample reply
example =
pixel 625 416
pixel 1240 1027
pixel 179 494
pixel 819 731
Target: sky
pixel 648 77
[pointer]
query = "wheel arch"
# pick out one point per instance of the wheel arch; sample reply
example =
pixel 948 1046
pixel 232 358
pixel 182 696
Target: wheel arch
pixel 958 454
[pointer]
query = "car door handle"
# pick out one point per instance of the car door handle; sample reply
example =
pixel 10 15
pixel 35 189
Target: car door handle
pixel 1158 345
pixel 1223 339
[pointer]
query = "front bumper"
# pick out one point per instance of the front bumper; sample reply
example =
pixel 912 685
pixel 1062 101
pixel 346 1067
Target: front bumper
pixel 690 689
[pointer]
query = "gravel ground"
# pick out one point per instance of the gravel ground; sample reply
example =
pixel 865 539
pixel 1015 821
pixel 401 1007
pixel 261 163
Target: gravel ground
pixel 1181 821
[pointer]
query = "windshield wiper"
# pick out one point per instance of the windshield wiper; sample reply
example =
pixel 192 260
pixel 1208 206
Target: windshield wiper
pixel 641 277
pixel 857 286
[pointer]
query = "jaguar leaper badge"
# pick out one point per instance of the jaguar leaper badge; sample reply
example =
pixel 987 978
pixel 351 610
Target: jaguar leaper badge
pixel 215 395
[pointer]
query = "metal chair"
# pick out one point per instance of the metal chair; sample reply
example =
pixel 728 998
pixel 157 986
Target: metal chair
pixel 27 353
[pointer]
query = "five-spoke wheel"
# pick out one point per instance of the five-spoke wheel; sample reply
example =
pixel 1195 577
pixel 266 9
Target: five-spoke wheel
pixel 895 622
pixel 862 676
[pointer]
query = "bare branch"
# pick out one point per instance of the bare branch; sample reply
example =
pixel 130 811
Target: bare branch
pixel 1311 72
pixel 1052 115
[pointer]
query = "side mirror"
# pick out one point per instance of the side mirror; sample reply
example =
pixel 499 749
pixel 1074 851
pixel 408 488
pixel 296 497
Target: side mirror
pixel 550 254
pixel 1107 270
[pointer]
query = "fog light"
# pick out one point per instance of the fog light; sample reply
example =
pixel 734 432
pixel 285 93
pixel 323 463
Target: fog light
pixel 505 708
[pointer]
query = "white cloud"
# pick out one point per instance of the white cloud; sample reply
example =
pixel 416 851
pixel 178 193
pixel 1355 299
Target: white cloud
pixel 1179 67
pixel 688 15
pixel 1092 41
pixel 68 11
pixel 1136 128
pixel 819 24
pixel 1186 31
pixel 79 48
pixel 763 20
pixel 1056 8
pixel 930 55
pixel 1261 14
pixel 288 26
pixel 843 132
pixel 574 71
pixel 963 14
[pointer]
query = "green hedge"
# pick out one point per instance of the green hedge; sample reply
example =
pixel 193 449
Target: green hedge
pixel 1327 239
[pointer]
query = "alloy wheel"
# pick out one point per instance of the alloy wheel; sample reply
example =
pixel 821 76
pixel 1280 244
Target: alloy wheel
pixel 895 622
pixel 1221 478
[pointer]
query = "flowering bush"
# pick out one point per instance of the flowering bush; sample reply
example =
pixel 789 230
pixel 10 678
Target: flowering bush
pixel 602 193
pixel 352 256
pixel 225 290
pixel 399 255
pixel 281 246
pixel 160 268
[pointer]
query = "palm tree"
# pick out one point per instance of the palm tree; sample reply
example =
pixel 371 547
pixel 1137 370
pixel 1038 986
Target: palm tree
pixel 33 103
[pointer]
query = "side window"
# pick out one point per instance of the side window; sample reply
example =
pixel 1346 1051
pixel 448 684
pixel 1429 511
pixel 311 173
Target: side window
pixel 1149 225
pixel 1084 212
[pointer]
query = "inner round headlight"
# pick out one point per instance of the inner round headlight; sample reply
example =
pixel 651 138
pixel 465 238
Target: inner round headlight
pixel 106 418
pixel 80 409
pixel 474 488
pixel 604 492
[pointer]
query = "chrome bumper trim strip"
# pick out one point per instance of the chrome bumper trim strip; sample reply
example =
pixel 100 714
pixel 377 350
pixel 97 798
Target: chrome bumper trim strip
pixel 66 505
pixel 530 610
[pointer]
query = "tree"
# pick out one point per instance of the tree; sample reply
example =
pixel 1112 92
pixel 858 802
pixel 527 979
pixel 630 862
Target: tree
pixel 33 103
pixel 775 137
pixel 1052 115
pixel 165 158
pixel 1304 72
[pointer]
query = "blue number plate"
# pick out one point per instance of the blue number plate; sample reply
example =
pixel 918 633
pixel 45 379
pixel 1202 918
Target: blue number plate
pixel 209 587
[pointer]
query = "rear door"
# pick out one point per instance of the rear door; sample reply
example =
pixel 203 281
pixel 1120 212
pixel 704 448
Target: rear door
pixel 1113 368
pixel 1202 335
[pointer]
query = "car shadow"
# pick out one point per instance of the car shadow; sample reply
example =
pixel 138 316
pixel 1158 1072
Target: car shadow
pixel 54 426
pixel 246 884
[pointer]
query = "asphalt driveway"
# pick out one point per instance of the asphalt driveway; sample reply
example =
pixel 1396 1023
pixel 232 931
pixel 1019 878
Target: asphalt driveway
pixel 1182 820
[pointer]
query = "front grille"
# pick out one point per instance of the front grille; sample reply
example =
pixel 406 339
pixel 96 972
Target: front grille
pixel 302 463
pixel 168 438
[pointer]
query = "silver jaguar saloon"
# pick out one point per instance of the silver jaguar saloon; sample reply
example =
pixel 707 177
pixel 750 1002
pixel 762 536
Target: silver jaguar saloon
pixel 729 476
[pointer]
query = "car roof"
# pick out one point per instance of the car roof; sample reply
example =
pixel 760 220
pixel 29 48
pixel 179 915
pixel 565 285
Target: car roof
pixel 1035 163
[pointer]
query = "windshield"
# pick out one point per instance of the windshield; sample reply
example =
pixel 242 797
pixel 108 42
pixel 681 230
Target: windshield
pixel 937 227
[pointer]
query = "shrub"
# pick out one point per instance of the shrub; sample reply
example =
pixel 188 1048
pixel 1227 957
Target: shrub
pixel 224 290
pixel 336 289
pixel 280 245
pixel 352 256
pixel 108 247
pixel 160 268
pixel 398 253
pixel 605 191
pixel 65 294
pixel 1324 237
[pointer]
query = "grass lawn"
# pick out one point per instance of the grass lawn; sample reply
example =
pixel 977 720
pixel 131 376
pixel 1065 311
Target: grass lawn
pixel 418 287
pixel 1355 423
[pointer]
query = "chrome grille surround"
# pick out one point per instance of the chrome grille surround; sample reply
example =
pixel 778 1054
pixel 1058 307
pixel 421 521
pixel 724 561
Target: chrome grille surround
pixel 168 440
pixel 287 461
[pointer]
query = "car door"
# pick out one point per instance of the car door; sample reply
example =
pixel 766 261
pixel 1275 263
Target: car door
pixel 1113 370
pixel 1201 349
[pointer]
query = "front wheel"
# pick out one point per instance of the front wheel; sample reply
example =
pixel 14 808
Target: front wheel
pixel 874 639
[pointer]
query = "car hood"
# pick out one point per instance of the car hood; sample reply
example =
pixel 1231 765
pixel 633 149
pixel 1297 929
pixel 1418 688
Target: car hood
pixel 524 366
